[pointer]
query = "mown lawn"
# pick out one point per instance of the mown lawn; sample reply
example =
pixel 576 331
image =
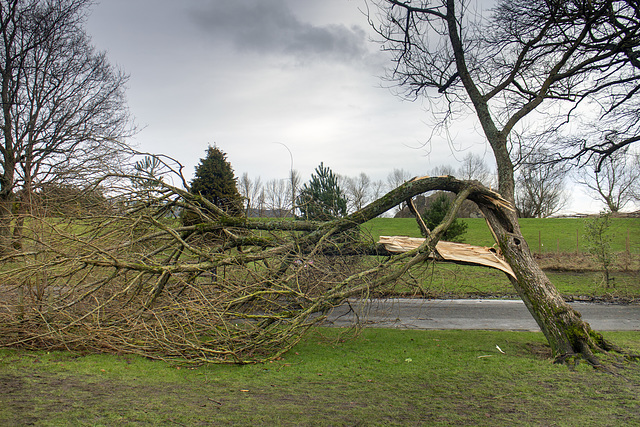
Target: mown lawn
pixel 381 377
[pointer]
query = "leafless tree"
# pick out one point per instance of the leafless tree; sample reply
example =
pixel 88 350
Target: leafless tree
pixel 293 188
pixel 377 189
pixel 358 191
pixel 540 190
pixel 277 197
pixel 473 167
pixel 443 170
pixel 262 202
pixel 250 190
pixel 613 180
pixel 63 105
pixel 397 178
pixel 525 56
pixel 601 74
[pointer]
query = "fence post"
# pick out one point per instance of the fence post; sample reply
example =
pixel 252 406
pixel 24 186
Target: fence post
pixel 540 242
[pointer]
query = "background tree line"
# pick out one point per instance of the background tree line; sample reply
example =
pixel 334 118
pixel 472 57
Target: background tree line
pixel 542 188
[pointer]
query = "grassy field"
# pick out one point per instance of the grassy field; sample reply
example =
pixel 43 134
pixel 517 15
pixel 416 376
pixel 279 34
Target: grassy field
pixel 382 377
pixel 550 235
pixel 559 245
pixel 379 377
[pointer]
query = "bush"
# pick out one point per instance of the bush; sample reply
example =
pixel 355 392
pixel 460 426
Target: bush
pixel 436 213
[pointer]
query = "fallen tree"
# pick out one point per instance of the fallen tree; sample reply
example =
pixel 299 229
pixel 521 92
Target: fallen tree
pixel 238 290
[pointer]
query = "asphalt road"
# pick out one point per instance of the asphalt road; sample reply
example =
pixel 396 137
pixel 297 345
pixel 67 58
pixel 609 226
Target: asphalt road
pixel 404 313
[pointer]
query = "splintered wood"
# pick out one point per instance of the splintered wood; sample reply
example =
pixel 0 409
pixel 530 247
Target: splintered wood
pixel 452 252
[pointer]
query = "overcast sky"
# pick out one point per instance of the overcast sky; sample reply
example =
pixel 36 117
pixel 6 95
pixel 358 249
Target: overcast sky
pixel 249 74
pixel 254 76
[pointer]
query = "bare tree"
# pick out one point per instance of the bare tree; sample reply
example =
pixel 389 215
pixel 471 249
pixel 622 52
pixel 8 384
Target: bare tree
pixel 63 105
pixel 614 180
pixel 525 56
pixel 250 191
pixel 293 187
pixel 396 179
pixel 377 189
pixel 443 170
pixel 473 167
pixel 277 197
pixel 612 95
pixel 358 191
pixel 262 203
pixel 540 187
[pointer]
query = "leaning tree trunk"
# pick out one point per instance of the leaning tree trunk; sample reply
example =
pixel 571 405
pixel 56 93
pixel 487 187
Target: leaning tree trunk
pixel 568 335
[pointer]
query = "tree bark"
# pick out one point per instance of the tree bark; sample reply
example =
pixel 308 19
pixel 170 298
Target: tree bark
pixel 567 334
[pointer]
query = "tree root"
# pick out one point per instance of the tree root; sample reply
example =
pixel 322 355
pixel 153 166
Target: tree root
pixel 598 352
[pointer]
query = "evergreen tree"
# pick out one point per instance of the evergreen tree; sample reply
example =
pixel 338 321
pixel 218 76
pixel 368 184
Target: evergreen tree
pixel 321 198
pixel 436 213
pixel 214 179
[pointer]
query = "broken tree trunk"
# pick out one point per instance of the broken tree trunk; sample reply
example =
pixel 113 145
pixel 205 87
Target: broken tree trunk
pixel 459 253
pixel 567 334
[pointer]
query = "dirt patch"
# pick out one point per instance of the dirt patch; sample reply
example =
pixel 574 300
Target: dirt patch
pixel 539 350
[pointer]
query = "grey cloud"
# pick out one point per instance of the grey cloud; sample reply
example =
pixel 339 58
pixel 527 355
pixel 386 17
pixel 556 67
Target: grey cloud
pixel 269 27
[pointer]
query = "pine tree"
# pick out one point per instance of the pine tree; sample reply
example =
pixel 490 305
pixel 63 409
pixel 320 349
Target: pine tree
pixel 436 213
pixel 214 179
pixel 322 198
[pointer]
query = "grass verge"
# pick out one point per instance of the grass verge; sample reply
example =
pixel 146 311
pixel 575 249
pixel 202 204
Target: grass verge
pixel 381 377
pixel 460 281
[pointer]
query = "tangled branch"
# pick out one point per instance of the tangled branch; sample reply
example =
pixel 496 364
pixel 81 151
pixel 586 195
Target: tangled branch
pixel 138 278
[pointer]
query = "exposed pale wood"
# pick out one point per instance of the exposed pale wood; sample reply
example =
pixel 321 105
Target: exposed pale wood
pixel 452 252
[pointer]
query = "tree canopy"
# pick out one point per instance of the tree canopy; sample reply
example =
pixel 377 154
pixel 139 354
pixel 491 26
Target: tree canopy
pixel 524 72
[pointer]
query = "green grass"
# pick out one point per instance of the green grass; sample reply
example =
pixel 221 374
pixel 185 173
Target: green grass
pixel 551 235
pixel 459 281
pixel 382 377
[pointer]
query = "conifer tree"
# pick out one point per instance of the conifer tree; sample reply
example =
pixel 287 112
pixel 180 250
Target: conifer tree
pixel 322 198
pixel 214 179
pixel 436 213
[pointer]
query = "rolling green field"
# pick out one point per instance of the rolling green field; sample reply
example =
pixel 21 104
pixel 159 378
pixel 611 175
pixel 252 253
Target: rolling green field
pixel 380 377
pixel 559 245
pixel 552 235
